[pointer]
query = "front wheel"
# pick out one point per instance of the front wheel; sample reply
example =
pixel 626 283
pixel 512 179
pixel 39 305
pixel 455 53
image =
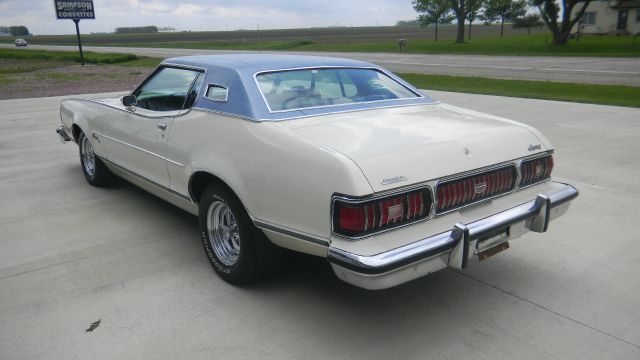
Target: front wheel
pixel 238 251
pixel 93 169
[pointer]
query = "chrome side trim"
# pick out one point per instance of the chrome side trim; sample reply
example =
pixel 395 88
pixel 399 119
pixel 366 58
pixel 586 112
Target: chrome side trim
pixel 536 213
pixel 137 148
pixel 141 177
pixel 223 113
pixel 289 232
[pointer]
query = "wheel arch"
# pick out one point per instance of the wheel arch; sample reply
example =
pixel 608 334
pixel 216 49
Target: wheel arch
pixel 200 179
pixel 75 132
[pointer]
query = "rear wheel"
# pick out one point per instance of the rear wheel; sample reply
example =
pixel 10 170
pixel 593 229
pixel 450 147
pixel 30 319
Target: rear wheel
pixel 236 249
pixel 93 168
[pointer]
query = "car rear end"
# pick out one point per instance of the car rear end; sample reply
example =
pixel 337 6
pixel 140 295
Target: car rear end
pixel 391 238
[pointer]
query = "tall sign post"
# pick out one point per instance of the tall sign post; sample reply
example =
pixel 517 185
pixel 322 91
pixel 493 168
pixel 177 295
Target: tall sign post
pixel 75 10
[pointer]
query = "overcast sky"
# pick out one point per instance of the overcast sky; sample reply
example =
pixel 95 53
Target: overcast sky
pixel 39 15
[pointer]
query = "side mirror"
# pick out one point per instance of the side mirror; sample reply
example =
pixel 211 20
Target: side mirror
pixel 129 101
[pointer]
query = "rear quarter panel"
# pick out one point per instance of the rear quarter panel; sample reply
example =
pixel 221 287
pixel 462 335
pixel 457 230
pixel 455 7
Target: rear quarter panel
pixel 281 179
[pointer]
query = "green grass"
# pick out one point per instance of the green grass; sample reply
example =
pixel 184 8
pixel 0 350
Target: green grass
pixel 618 46
pixel 623 46
pixel 68 56
pixel 583 93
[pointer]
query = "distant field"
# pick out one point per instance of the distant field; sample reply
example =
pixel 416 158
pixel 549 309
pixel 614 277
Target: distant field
pixel 334 35
pixel 485 40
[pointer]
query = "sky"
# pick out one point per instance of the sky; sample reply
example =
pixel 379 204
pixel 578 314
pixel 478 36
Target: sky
pixel 39 15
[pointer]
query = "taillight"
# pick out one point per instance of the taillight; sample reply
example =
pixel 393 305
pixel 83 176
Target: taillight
pixel 536 170
pixel 458 193
pixel 356 218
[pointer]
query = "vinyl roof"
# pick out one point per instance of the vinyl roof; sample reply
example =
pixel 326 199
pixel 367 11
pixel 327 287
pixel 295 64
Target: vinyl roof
pixel 236 73
pixel 265 62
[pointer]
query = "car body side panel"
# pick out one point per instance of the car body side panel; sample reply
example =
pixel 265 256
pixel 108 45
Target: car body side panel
pixel 282 181
pixel 86 115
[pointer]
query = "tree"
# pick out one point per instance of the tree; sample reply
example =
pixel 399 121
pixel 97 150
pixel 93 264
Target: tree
pixel 460 9
pixel 550 12
pixel 504 10
pixel 18 30
pixel 433 12
pixel 473 10
pixel 528 22
pixel 407 23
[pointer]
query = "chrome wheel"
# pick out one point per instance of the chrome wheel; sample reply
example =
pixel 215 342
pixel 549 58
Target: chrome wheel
pixel 223 232
pixel 88 158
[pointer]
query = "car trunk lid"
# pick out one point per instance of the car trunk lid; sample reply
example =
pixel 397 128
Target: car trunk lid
pixel 405 145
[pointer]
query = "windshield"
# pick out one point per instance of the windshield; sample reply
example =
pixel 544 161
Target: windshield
pixel 299 89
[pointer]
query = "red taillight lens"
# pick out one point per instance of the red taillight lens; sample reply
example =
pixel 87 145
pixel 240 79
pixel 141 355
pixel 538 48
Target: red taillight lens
pixel 355 218
pixel 352 218
pixel 458 193
pixel 536 170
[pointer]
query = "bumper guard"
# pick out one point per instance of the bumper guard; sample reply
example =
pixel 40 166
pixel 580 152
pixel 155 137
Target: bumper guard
pixel 377 271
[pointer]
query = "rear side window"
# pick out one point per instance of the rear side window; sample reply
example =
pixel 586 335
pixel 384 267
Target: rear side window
pixel 306 88
pixel 169 89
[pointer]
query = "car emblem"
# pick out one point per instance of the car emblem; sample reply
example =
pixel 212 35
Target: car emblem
pixel 479 188
pixel 535 147
pixel 393 180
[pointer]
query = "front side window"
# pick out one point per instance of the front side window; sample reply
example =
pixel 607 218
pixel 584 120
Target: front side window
pixel 300 89
pixel 169 89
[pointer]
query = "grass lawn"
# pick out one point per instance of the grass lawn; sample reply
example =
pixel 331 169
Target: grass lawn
pixel 33 73
pixel 618 46
pixel 66 56
pixel 583 93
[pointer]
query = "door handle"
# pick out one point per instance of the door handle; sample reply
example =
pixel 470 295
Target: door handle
pixel 162 126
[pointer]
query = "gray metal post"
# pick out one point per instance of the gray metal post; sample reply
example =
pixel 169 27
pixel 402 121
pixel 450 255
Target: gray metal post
pixel 77 21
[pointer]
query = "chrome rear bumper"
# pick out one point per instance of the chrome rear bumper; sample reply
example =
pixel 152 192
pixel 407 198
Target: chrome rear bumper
pixel 452 248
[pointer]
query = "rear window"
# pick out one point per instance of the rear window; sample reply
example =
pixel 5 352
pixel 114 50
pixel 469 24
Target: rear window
pixel 307 88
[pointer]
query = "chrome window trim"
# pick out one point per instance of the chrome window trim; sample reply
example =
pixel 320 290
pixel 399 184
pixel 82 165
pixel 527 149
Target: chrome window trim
pixel 500 166
pixel 224 113
pixel 177 66
pixel 366 198
pixel 529 158
pixel 255 78
pixel 346 111
pixel 138 148
pixel 226 95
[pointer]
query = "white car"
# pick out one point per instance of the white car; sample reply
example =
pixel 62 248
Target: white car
pixel 330 157
pixel 21 43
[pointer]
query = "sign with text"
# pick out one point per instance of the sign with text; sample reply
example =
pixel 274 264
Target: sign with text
pixel 74 9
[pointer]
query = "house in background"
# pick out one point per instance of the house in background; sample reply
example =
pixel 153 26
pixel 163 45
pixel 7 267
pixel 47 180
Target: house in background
pixel 610 16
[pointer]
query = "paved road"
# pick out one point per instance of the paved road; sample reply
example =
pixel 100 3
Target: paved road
pixel 596 70
pixel 71 254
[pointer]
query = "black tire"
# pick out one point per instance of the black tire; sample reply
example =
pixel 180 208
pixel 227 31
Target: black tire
pixel 256 256
pixel 94 170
